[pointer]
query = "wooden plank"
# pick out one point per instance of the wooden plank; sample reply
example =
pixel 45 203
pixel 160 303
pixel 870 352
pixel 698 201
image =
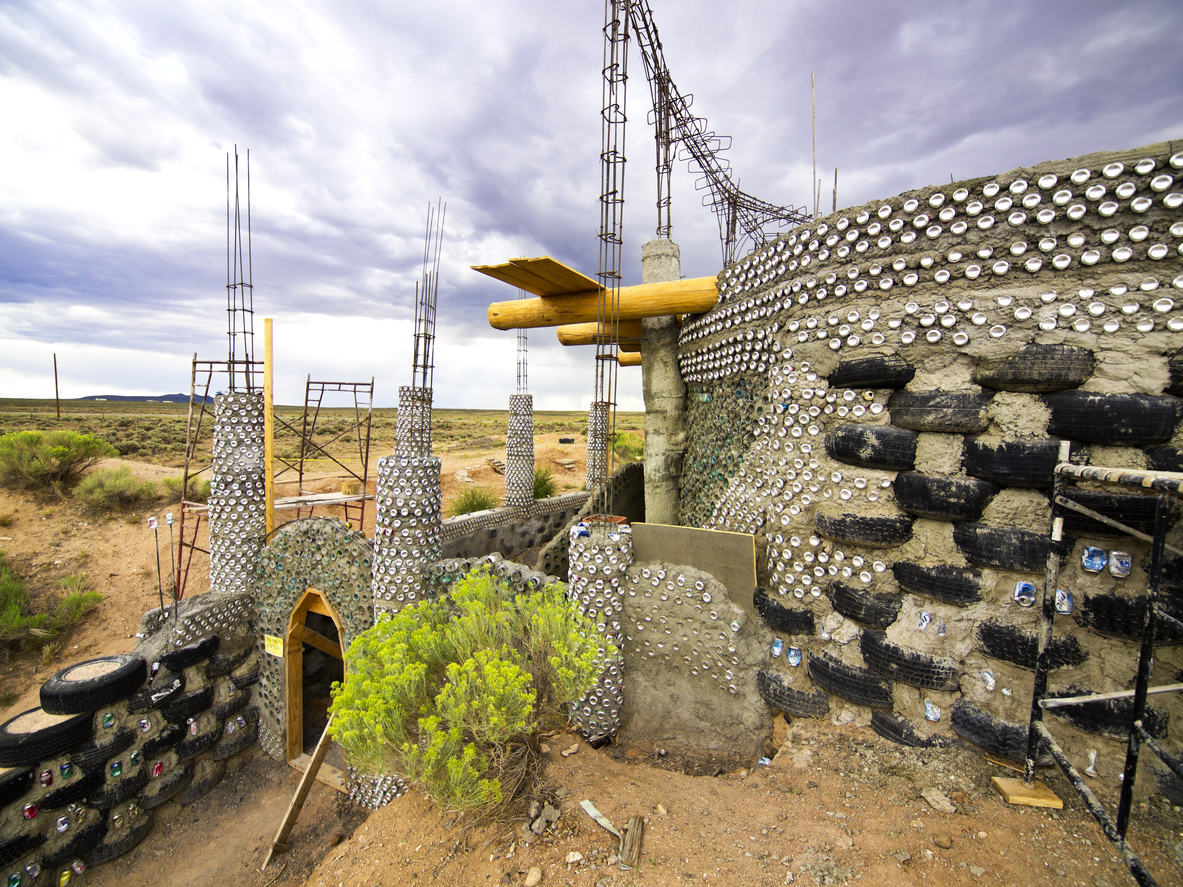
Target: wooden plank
pixel 326 775
pixel 692 296
pixel 541 276
pixel 305 786
pixel 1015 791
pixel 308 636
pixel 592 333
pixel 729 557
pixel 268 428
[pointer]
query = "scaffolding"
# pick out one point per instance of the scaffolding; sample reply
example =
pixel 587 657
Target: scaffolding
pixel 1164 485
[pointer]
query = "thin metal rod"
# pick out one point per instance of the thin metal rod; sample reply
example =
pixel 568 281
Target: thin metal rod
pixel 1065 701
pixel 1165 756
pixel 1108 521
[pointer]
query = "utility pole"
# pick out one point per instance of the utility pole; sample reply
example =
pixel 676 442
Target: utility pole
pixel 813 99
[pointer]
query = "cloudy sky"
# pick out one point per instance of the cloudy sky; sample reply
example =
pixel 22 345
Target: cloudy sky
pixel 359 114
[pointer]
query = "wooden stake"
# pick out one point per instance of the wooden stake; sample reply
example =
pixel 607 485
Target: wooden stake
pixel 268 427
pixel 630 842
pixel 280 845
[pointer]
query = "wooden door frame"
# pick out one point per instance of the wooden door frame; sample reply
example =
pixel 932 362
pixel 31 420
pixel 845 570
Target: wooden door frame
pixel 312 601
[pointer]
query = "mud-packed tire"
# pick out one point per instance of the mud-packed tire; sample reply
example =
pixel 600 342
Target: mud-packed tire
pixel 912 668
pixel 88 782
pixel 14 782
pixel 1118 616
pixel 230 745
pixel 12 849
pixel 119 841
pixel 235 700
pixel 88 686
pixel 226 660
pixel 794 703
pixel 868 608
pixel 166 786
pixel 868 531
pixel 959 586
pixel 188 704
pixel 1030 464
pixel 1000 738
pixel 102 748
pixel 854 684
pixel 1164 458
pixel 946 412
pixel 1135 511
pixel 1011 644
pixel 247 674
pixel 1108 717
pixel 206 775
pixel 1130 420
pixel 895 729
pixel 165 687
pixel 117 790
pixel 35 735
pixel 1175 374
pixel 168 738
pixel 943 498
pixel 873 446
pixel 209 731
pixel 190 654
pixel 1007 548
pixel 74 842
pixel 1038 369
pixel 880 371
pixel 786 620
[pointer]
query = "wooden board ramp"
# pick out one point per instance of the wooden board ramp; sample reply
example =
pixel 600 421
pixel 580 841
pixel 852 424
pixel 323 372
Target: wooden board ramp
pixel 1035 794
pixel 280 845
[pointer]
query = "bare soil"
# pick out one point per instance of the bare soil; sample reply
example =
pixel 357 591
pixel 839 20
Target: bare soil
pixel 836 805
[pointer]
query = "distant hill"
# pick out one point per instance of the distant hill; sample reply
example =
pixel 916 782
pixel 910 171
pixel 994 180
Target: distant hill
pixel 163 398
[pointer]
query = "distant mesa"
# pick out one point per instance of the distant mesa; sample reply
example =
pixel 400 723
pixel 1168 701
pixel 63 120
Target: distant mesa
pixel 138 398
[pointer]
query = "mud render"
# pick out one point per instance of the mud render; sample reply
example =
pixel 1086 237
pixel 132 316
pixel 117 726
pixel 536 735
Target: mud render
pixel 875 402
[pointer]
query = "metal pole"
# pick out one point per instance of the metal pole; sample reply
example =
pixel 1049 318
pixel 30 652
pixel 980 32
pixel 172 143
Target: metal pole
pixel 57 397
pixel 813 100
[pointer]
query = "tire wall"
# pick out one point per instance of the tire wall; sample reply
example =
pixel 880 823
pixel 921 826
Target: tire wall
pixel 954 329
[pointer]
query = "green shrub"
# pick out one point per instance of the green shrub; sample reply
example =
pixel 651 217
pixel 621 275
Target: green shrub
pixel 198 489
pixel 114 489
pixel 544 483
pixel 452 692
pixel 17 624
pixel 473 499
pixel 628 446
pixel 32 460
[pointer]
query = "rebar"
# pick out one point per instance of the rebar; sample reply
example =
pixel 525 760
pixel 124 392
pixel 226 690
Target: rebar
pixel 240 295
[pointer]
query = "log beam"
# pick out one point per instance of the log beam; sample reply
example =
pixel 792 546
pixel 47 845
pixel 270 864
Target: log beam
pixel 646 300
pixel 629 358
pixel 589 333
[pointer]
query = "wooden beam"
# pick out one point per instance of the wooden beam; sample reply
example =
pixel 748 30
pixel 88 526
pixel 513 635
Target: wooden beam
pixel 646 300
pixel 308 636
pixel 629 358
pixel 268 429
pixel 542 276
pixel 279 845
pixel 589 333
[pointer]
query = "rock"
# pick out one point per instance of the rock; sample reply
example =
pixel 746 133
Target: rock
pixel 938 800
pixel 943 840
pixel 844 842
pixel 567 752
pixel 573 857
pixel 977 871
pixel 335 839
pixel 550 814
pixel 533 877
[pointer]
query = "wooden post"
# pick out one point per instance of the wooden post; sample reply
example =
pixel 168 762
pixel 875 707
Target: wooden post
pixel 268 427
pixel 280 845
pixel 57 397
pixel 813 101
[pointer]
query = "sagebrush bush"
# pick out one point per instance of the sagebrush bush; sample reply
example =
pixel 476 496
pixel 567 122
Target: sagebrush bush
pixel 544 483
pixel 628 446
pixel 472 499
pixel 19 625
pixel 50 461
pixel 174 489
pixel 114 489
pixel 452 692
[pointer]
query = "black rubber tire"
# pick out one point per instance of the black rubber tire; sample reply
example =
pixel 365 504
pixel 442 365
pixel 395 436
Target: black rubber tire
pixel 166 786
pixel 873 446
pixel 102 748
pixel 192 654
pixel 1015 463
pixel 82 787
pixel 192 746
pixel 1170 786
pixel 780 618
pixel 77 841
pixel 794 703
pixel 225 661
pixel 959 586
pixel 188 704
pixel 1170 581
pixel 168 738
pixel 1175 371
pixel 1008 548
pixel 878 531
pixel 119 841
pixel 123 788
pixel 1013 645
pixel 1135 511
pixel 1000 738
pixel 857 685
pixel 881 371
pixel 1164 458
pixel 237 700
pixel 943 498
pixel 248 675
pixel 1037 368
pixel 23 743
pixel 1109 717
pixel 165 687
pixel 1123 617
pixel 895 729
pixel 12 849
pixel 14 782
pixel 90 685
pixel 947 412
pixel 875 610
pixel 912 668
pixel 206 774
pixel 228 746
pixel 1119 419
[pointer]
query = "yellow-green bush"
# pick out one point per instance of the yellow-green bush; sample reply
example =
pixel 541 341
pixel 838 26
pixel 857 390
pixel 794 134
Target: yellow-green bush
pixel 114 489
pixel 33 460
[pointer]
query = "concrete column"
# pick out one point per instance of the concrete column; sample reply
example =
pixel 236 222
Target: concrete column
pixel 665 392
pixel 519 451
pixel 237 501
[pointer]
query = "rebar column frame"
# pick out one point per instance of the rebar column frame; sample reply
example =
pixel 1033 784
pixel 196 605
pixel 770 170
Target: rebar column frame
pixel 240 294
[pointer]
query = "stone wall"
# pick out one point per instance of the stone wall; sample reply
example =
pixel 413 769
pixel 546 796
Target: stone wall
pixel 879 398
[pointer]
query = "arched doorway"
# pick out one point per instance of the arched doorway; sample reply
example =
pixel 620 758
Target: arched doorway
pixel 311 605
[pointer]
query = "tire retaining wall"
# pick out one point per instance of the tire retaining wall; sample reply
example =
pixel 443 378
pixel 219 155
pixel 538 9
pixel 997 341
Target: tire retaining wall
pixel 879 398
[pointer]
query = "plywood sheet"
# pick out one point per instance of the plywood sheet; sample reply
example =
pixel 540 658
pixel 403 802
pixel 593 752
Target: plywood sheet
pixel 540 276
pixel 1015 791
pixel 729 557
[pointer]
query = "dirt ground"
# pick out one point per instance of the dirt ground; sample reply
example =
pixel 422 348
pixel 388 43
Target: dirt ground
pixel 835 806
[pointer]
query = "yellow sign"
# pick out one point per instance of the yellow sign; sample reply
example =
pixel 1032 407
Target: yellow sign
pixel 273 645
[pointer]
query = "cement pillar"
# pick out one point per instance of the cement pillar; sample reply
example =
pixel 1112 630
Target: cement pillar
pixel 598 445
pixel 665 392
pixel 519 451
pixel 237 501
